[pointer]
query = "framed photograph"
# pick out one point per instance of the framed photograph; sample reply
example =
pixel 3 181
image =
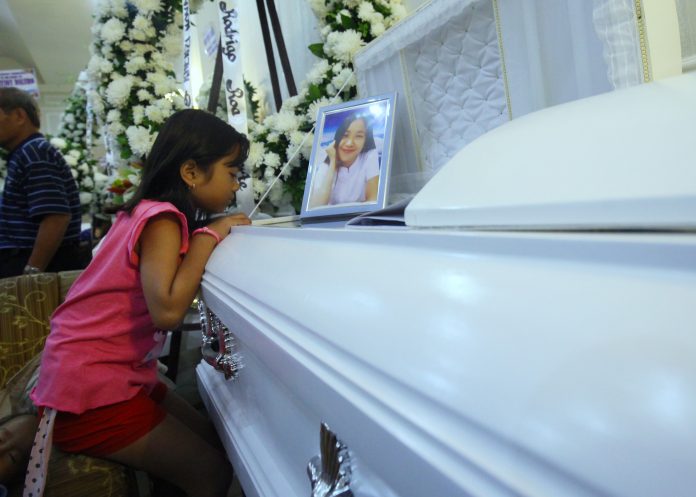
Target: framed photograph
pixel 350 161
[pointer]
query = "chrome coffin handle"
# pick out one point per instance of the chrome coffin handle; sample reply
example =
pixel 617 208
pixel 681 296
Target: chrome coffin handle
pixel 218 344
pixel 330 472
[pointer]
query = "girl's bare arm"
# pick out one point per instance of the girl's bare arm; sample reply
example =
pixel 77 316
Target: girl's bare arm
pixel 170 283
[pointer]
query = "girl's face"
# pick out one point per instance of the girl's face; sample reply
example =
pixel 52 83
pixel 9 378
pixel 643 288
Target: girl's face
pixel 216 191
pixel 352 142
pixel 16 437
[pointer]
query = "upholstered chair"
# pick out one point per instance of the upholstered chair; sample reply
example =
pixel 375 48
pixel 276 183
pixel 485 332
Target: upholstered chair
pixel 26 305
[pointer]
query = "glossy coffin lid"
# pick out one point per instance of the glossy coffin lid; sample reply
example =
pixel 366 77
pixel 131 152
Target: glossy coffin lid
pixel 623 159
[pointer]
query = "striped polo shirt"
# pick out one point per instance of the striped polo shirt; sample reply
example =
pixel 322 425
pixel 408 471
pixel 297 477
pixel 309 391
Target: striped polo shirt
pixel 38 182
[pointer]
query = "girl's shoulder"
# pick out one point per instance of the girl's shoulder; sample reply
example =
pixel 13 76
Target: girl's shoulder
pixel 149 208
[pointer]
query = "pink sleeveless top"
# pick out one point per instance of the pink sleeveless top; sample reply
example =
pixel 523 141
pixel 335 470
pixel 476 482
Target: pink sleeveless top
pixel 103 346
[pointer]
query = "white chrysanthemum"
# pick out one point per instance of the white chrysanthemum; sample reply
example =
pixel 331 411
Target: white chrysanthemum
pixel 377 28
pixel 270 121
pixel 119 8
pixel 286 121
pixel 256 153
pixel 154 113
pixel 75 153
pixel 147 6
pixel 70 160
pixel 162 83
pixel 346 77
pixel 271 160
pixel 259 187
pixel 59 143
pixel 365 11
pixel 83 168
pixel 94 66
pixel 113 115
pixel 85 197
pixel 106 67
pixel 142 23
pixel 276 196
pixel 69 118
pixel 173 43
pixel 269 173
pixel 138 114
pixel 319 8
pixel 143 48
pixel 306 149
pixel 118 91
pixel 137 35
pixel 398 11
pixel 135 64
pixel 272 137
pixel 74 173
pixel 167 104
pixel 144 95
pixel 288 104
pixel 314 107
pixel 126 45
pixel 87 182
pixel 140 139
pixel 115 128
pixel 113 30
pixel 343 45
pixel 100 180
pixel 296 138
pixel 318 72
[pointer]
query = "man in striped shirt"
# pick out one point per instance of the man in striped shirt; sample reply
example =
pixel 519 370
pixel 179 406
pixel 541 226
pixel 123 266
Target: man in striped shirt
pixel 40 205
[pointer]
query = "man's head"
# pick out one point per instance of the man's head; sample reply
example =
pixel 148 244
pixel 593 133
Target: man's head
pixel 19 117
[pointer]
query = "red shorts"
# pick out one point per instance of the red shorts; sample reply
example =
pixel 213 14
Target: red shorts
pixel 108 429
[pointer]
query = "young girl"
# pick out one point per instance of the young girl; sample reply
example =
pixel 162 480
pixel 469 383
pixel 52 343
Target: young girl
pixel 349 170
pixel 98 370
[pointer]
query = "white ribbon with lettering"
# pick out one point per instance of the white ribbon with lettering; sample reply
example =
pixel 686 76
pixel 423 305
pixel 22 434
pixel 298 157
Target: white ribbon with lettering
pixel 233 83
pixel 232 77
pixel 187 53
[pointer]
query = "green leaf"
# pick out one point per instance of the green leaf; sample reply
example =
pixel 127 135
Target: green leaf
pixel 382 9
pixel 314 92
pixel 317 49
pixel 347 22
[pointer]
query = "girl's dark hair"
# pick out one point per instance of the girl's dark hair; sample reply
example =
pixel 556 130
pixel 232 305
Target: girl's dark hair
pixel 187 135
pixel 345 124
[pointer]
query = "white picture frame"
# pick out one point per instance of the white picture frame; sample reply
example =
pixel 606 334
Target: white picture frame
pixel 350 177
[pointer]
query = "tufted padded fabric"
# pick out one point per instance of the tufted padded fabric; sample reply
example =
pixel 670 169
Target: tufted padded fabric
pixel 456 86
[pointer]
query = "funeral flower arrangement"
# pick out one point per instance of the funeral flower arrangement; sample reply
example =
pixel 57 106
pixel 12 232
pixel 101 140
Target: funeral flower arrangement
pixel 133 44
pixel 346 26
pixel 73 143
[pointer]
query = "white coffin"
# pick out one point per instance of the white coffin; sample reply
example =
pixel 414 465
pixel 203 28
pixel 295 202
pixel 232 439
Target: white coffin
pixel 514 357
pixel 464 67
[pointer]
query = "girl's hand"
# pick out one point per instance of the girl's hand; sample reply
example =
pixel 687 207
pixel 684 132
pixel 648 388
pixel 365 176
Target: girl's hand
pixel 331 152
pixel 222 225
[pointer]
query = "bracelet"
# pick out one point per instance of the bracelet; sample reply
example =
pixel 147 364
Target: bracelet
pixel 207 231
pixel 29 269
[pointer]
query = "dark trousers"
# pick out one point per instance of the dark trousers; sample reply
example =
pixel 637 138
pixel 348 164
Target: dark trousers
pixel 68 256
